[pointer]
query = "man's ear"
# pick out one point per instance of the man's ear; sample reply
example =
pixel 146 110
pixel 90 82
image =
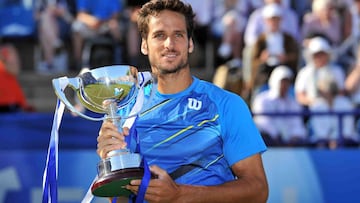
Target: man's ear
pixel 144 47
pixel 191 45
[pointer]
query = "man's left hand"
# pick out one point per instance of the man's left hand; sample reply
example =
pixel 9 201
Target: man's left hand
pixel 161 189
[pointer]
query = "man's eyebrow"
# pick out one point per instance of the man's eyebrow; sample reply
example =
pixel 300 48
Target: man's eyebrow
pixel 180 31
pixel 158 32
pixel 174 32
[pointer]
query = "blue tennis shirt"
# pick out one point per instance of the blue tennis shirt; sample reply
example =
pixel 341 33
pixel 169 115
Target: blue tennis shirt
pixel 204 127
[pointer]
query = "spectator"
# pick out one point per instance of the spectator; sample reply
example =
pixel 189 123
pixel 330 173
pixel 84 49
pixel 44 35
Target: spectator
pixel 322 20
pixel 133 55
pixel 325 129
pixel 301 8
pixel 228 28
pixel 352 84
pixel 203 20
pixel 345 9
pixel 319 51
pixel 204 12
pixel 255 25
pixel 95 18
pixel 349 10
pixel 272 48
pixel 12 98
pixel 332 19
pixel 246 7
pixel 54 22
pixel 279 130
pixel 354 18
pixel 230 78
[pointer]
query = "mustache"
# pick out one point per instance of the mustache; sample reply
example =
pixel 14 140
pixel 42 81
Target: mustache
pixel 169 52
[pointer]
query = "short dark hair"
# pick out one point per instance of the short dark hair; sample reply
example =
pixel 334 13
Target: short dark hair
pixel 154 7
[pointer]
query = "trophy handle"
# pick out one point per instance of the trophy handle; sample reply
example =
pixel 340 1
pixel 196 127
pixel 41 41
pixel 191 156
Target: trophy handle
pixel 60 84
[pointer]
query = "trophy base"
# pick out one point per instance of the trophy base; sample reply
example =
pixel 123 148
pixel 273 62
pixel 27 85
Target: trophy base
pixel 113 184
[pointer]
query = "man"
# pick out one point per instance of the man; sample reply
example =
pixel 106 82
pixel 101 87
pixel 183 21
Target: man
pixel 256 25
pixel 326 130
pixel 272 48
pixel 318 54
pixel 279 130
pixel 54 24
pixel 12 97
pixel 93 19
pixel 216 136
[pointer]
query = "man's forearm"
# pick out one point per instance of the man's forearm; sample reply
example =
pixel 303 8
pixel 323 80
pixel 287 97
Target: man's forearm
pixel 240 190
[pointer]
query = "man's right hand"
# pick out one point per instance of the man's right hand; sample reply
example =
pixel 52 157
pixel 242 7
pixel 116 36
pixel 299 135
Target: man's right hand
pixel 110 139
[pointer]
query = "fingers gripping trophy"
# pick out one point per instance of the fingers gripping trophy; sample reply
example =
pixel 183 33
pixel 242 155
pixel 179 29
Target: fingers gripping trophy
pixel 114 92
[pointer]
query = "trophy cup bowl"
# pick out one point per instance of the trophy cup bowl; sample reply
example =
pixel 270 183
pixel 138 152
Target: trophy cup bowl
pixel 107 90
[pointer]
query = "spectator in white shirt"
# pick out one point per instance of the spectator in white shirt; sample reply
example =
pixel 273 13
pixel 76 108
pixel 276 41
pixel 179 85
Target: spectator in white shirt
pixel 325 129
pixel 255 25
pixel 319 51
pixel 279 130
pixel 272 48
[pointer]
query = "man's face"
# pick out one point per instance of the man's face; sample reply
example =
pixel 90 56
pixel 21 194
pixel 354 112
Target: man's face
pixel 167 44
pixel 273 24
pixel 321 59
pixel 284 86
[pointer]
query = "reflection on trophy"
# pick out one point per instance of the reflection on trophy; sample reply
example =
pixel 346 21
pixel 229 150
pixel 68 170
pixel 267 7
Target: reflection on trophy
pixel 109 90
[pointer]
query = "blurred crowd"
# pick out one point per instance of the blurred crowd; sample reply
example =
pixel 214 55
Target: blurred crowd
pixel 290 59
pixel 297 63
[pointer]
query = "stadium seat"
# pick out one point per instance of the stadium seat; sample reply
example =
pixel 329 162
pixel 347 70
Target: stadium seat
pixel 17 19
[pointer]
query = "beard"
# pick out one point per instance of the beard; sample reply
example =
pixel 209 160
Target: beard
pixel 175 69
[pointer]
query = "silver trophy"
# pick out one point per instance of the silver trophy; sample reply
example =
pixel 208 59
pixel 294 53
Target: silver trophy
pixel 109 90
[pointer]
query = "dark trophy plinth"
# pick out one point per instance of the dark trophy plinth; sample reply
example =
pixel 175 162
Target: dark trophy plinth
pixel 113 176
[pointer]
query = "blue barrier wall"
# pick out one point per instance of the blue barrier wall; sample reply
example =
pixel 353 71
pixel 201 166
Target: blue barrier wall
pixel 294 174
pixel 313 176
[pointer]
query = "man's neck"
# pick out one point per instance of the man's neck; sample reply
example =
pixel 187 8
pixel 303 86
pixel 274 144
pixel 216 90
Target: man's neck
pixel 174 82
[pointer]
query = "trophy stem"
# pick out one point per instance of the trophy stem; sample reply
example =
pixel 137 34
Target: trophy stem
pixel 112 114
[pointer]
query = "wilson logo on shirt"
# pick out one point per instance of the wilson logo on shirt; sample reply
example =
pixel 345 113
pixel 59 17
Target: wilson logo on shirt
pixel 194 104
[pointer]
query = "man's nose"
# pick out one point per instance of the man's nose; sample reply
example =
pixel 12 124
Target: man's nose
pixel 169 43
